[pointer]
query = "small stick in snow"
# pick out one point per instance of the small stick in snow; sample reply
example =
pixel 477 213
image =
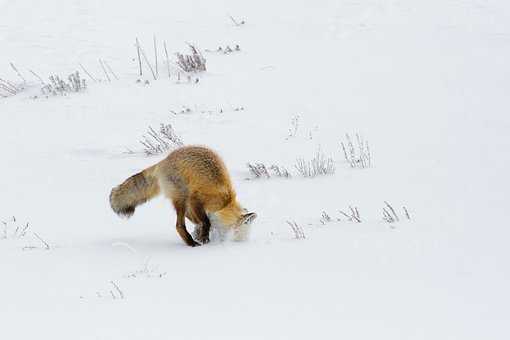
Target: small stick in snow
pixel 137 44
pixel 37 76
pixel 146 60
pixel 24 230
pixel 392 210
pixel 297 230
pixel 341 212
pixel 407 213
pixel 46 245
pixel 7 89
pixel 387 216
pixel 8 86
pixel 355 214
pixel 156 55
pixel 121 294
pixel 17 72
pixel 104 70
pixel 235 21
pixel 110 69
pixel 87 72
pixel 167 60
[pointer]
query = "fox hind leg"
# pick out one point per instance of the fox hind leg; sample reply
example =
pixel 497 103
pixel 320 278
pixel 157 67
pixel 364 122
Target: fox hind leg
pixel 180 208
pixel 195 222
pixel 198 212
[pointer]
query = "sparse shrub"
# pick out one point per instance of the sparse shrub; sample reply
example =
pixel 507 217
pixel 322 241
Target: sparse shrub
pixel 114 292
pixel 294 126
pixel 41 245
pixel 298 232
pixel 57 86
pixel 358 156
pixel 226 50
pixel 325 218
pixel 260 170
pixel 237 23
pixel 163 140
pixel 194 62
pixel 353 214
pixel 147 271
pixel 13 229
pixel 8 88
pixel 391 216
pixel 317 166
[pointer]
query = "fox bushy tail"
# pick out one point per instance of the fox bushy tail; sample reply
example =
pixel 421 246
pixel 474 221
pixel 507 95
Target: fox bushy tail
pixel 134 191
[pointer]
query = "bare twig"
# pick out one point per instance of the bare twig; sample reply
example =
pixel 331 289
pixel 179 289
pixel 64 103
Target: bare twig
pixel 357 156
pixel 156 55
pixel 110 69
pixel 354 214
pixel 387 217
pixel 392 211
pixel 24 230
pixel 297 230
pixel 194 62
pixel 318 165
pixel 87 72
pixel 235 21
pixel 146 60
pixel 37 76
pixel 46 245
pixel 121 294
pixel 104 70
pixel 325 218
pixel 167 59
pixel 9 87
pixel 137 44
pixel 407 213
pixel 18 73
pixel 160 141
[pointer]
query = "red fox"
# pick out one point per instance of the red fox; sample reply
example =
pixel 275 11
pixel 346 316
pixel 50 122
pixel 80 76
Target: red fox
pixel 196 180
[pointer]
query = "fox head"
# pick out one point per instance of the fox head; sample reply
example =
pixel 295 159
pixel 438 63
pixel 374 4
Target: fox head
pixel 233 215
pixel 247 218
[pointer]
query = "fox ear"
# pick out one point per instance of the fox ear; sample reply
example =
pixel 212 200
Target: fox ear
pixel 248 218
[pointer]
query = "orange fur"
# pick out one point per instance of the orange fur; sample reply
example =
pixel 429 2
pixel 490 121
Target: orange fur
pixel 197 182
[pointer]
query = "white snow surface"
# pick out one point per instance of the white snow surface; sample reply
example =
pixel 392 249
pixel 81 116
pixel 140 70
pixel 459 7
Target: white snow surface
pixel 426 83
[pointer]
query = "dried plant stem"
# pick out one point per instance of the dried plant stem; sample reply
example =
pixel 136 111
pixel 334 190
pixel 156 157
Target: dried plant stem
pixel 7 89
pixel 37 76
pixel 156 55
pixel 299 234
pixel 139 59
pixel 392 211
pixel 407 213
pixel 110 69
pixel 8 86
pixel 121 294
pixel 18 73
pixel 354 216
pixel 359 157
pixel 147 60
pixel 104 70
pixel 87 73
pixel 167 59
pixel 46 245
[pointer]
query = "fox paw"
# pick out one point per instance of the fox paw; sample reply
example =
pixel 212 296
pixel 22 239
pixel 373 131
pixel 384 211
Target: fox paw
pixel 193 243
pixel 203 239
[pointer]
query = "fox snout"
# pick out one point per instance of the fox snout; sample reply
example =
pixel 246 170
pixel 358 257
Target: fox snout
pixel 248 218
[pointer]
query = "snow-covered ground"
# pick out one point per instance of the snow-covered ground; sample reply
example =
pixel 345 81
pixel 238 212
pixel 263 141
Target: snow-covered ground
pixel 426 83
